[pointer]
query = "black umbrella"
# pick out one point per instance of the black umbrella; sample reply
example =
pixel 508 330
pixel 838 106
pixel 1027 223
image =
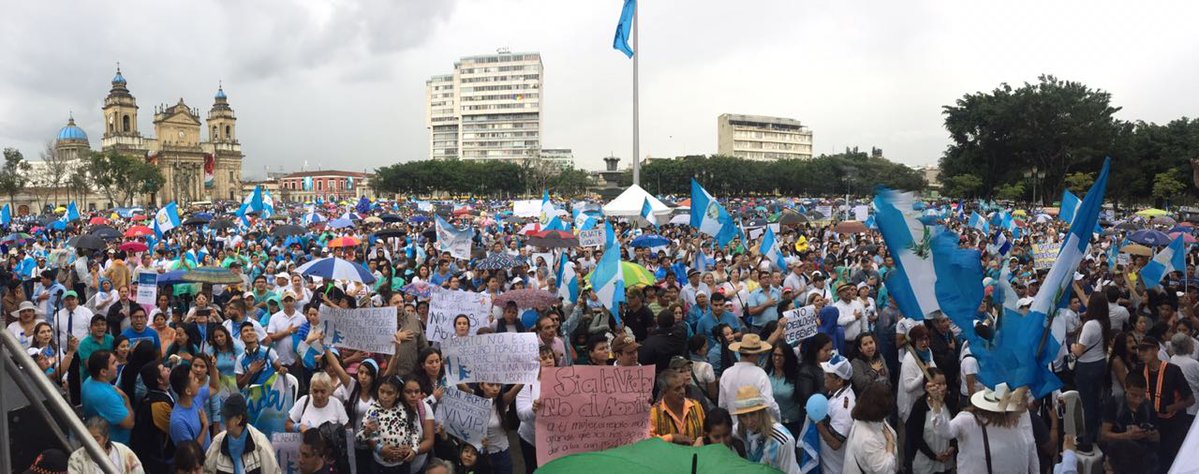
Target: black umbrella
pixel 792 218
pixel 288 230
pixel 430 234
pixel 220 224
pixel 106 232
pixel 390 233
pixel 196 221
pixel 90 242
pixel 391 218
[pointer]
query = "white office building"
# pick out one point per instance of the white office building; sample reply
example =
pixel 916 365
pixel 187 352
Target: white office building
pixel 759 138
pixel 488 109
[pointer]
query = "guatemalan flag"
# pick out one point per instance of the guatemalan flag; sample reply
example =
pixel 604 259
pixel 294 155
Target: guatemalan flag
pixel 647 212
pixel 978 222
pixel 1000 245
pixel 1016 354
pixel 932 273
pixel 1170 259
pixel 6 215
pixel 1069 208
pixel 72 212
pixel 166 219
pixel 624 28
pixel 549 218
pixel 709 216
pixel 770 250
pixel 608 277
pixel 568 280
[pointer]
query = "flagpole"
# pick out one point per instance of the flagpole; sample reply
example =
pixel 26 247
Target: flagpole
pixel 636 111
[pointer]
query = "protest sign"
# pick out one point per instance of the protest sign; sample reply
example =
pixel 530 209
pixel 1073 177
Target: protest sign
pixel 496 358
pixel 1123 259
pixel 363 329
pixel 801 324
pixel 826 211
pixel 591 237
pixel 592 408
pixel 861 212
pixel 445 305
pixel 1043 255
pixel 287 451
pixel 147 288
pixel 268 404
pixel 526 208
pixel 464 415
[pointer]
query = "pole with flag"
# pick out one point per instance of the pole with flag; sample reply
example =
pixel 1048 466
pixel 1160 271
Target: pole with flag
pixel 626 28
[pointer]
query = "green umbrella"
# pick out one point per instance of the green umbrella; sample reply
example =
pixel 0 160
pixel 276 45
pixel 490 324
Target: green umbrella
pixel 634 275
pixel 656 456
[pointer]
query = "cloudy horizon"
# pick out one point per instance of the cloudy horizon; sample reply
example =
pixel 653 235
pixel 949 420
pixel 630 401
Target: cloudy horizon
pixel 341 84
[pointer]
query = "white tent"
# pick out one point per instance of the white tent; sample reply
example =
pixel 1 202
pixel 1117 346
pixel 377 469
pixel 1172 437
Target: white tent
pixel 628 204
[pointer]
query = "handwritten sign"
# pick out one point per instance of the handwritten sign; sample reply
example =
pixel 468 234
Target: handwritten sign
pixel 496 358
pixel 1123 259
pixel 446 305
pixel 287 450
pixel 801 324
pixel 363 329
pixel 147 288
pixel 465 416
pixel 591 237
pixel 1043 255
pixel 592 408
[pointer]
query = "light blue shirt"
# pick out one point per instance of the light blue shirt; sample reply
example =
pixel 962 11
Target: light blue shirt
pixel 760 297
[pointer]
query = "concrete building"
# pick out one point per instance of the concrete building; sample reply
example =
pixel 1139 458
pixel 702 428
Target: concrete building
pixel 330 185
pixel 557 158
pixel 759 138
pixel 489 108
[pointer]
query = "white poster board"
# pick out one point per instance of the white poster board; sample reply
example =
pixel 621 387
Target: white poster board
pixel 464 416
pixel 147 288
pixel 802 323
pixel 496 358
pixel 591 237
pixel 445 305
pixel 363 329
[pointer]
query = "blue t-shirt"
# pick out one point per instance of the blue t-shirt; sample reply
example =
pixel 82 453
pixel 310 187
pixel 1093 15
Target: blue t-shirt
pixel 185 421
pixel 101 399
pixel 770 313
pixel 268 370
pixel 147 334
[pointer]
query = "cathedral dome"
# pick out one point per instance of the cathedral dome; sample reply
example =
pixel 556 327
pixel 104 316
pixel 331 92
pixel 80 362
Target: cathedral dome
pixel 220 94
pixel 118 79
pixel 72 132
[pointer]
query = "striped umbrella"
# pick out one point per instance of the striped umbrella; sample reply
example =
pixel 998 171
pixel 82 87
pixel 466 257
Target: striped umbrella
pixel 334 268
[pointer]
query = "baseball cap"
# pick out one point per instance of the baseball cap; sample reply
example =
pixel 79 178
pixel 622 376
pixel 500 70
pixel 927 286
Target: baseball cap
pixel 1148 342
pixel 289 294
pixel 620 343
pixel 838 365
pixel 679 362
pixel 70 294
pixel 816 275
pixel 1025 301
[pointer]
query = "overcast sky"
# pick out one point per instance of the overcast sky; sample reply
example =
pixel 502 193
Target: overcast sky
pixel 340 83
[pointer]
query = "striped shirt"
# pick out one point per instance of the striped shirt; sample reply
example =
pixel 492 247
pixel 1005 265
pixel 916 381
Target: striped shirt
pixel 664 423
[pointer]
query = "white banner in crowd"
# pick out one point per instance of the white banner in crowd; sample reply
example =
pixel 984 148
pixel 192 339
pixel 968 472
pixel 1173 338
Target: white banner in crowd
pixel 445 305
pixel 464 416
pixel 526 208
pixel 363 329
pixel 287 451
pixel 147 288
pixel 496 358
pixel 591 237
pixel 802 323
pixel 861 212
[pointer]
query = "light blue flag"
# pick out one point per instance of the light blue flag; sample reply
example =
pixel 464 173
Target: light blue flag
pixel 1170 259
pixel 608 277
pixel 624 28
pixel 1069 208
pixel 166 219
pixel 72 212
pixel 647 212
pixel 978 222
pixel 710 217
pixel 568 280
pixel 770 250
pixel 6 215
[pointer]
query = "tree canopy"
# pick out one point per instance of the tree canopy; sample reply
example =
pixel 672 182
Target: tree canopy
pixel 479 178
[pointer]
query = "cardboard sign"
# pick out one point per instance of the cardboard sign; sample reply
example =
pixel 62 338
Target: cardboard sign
pixel 147 288
pixel 445 305
pixel 802 323
pixel 496 358
pixel 363 329
pixel 464 416
pixel 592 408
pixel 287 451
pixel 1043 255
pixel 591 237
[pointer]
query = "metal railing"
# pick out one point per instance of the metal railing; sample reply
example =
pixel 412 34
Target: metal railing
pixel 37 387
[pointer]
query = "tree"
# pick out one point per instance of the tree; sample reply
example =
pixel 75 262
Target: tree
pixel 123 177
pixel 14 173
pixel 1011 192
pixel 1080 182
pixel 1168 185
pixel 962 185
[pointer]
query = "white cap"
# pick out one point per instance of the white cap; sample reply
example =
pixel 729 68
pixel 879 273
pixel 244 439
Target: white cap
pixel 1025 301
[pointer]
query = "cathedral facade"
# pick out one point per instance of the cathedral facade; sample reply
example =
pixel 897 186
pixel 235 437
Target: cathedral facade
pixel 195 169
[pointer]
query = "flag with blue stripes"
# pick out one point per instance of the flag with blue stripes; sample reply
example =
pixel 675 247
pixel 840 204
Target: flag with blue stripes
pixel 1169 259
pixel 978 222
pixel 709 216
pixel 624 28
pixel 568 280
pixel 72 212
pixel 1000 245
pixel 1069 208
pixel 647 212
pixel 808 442
pixel 608 278
pixel 770 250
pixel 166 219
pixel 6 215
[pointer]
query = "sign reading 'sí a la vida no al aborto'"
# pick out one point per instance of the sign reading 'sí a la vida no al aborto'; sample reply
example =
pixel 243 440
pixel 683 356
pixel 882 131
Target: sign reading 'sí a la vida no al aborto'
pixel 588 408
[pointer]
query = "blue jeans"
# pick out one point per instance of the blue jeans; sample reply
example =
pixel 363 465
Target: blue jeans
pixel 1088 378
pixel 501 462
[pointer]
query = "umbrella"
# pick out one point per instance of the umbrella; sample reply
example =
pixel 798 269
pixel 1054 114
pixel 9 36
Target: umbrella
pixel 526 298
pixel 172 278
pixel 134 246
pixel 650 240
pixel 21 238
pixel 1163 221
pixel 98 221
pixel 1136 249
pixel 344 242
pixel 792 218
pixel 1151 212
pixel 419 220
pixel 390 233
pixel 220 224
pixel 1127 226
pixel 341 223
pixel 288 230
pixel 337 269
pixel 816 215
pixel 60 209
pixel 89 242
pixel 656 455
pixel 529 229
pixel 138 218
pixel 373 220
pixel 497 261
pixel 196 221
pixel 634 275
pixel 214 275
pixel 850 227
pixel 418 289
pixel 138 231
pixel 1150 237
pixel 391 218
pixel 203 215
pixel 106 232
pixel 554 239
pixel 1186 237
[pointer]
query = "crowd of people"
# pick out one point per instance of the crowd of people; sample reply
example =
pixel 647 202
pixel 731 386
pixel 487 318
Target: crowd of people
pixel 163 387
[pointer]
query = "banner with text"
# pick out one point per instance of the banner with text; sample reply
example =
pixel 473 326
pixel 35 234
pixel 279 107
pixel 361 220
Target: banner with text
pixel 496 358
pixel 592 408
pixel 1043 255
pixel 147 288
pixel 591 237
pixel 287 451
pixel 363 329
pixel 446 305
pixel 464 416
pixel 801 324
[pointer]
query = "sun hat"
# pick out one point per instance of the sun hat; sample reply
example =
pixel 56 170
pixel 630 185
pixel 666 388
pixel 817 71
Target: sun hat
pixel 1001 399
pixel 749 400
pixel 24 306
pixel 750 344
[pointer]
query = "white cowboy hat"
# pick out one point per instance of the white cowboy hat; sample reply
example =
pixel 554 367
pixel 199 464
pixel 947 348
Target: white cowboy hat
pixel 749 400
pixel 24 306
pixel 1001 399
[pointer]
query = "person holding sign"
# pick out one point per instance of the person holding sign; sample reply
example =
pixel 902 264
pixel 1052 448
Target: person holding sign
pixel 528 401
pixel 495 444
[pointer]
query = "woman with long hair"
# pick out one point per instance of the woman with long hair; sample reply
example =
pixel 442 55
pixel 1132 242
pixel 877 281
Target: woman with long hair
pixel 869 367
pixel 390 430
pixel 816 349
pixel 718 429
pixel 187 343
pixel 357 394
pixel 719 355
pixel 503 420
pixel 528 401
pixel 130 381
pixel 414 401
pixel 1090 370
pixel 783 371
pixel 430 374
pixel 1121 361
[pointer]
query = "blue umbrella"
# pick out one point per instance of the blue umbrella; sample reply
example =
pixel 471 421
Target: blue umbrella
pixel 337 269
pixel 419 220
pixel 172 278
pixel 1150 237
pixel 341 223
pixel 650 240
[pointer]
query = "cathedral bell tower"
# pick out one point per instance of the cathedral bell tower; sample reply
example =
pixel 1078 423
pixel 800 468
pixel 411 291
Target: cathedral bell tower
pixel 120 110
pixel 222 123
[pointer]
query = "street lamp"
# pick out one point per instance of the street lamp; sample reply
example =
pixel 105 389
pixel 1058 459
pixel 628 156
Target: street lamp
pixel 1035 175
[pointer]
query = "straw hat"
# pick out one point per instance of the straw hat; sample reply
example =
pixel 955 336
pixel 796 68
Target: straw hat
pixel 24 306
pixel 750 344
pixel 749 400
pixel 1001 399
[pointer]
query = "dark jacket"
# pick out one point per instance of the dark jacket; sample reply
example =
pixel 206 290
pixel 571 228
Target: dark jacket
pixel 662 345
pixel 152 445
pixel 640 322
pixel 914 430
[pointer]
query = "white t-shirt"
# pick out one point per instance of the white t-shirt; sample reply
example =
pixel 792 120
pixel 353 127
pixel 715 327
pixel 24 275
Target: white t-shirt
pixel 281 322
pixel 1118 316
pixel 313 417
pixel 969 366
pixel 840 405
pixel 1092 339
pixel 1190 370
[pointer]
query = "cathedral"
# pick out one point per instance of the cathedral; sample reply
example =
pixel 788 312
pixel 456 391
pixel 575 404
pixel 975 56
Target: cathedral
pixel 195 169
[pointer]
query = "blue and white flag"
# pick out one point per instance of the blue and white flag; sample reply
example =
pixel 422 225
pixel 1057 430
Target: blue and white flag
pixel 166 219
pixel 6 215
pixel 547 210
pixel 1000 245
pixel 770 250
pixel 568 280
pixel 259 201
pixel 808 442
pixel 710 217
pixel 311 217
pixel 1069 208
pixel 647 212
pixel 978 222
pixel 1169 259
pixel 453 240
pixel 608 277
pixel 624 28
pixel 72 212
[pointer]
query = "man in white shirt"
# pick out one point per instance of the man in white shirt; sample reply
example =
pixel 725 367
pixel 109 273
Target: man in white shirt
pixel 796 280
pixel 747 372
pixel 692 287
pixel 852 316
pixel 1117 314
pixel 281 327
pixel 72 321
pixel 819 286
pixel 1181 346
